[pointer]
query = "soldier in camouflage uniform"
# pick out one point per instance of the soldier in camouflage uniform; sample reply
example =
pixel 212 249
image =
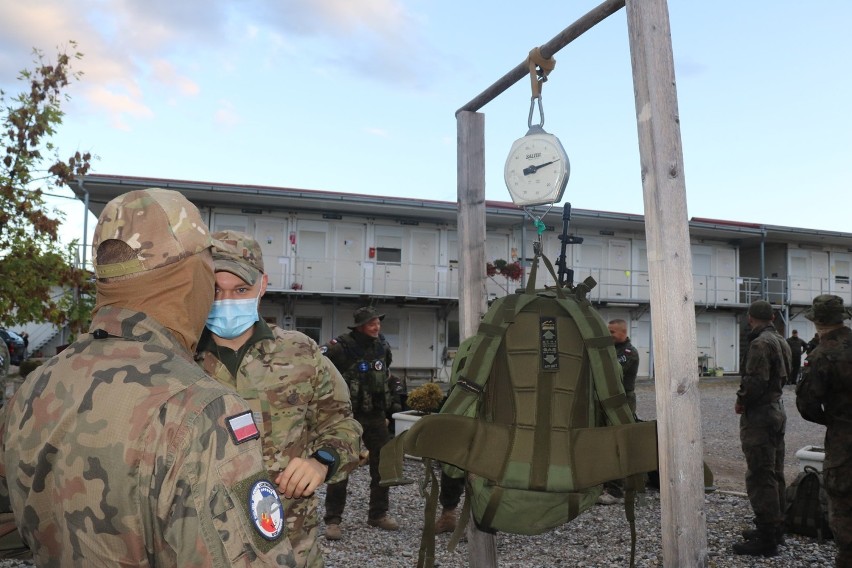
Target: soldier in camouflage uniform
pixel 120 450
pixel 797 349
pixel 299 398
pixel 363 357
pixel 824 396
pixel 766 366
pixel 627 357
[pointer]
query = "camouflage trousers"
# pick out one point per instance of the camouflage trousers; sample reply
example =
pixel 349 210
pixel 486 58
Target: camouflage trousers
pixel 838 486
pixel 301 529
pixel 762 438
pixel 375 436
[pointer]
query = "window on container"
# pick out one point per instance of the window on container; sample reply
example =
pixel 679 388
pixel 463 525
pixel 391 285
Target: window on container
pixel 389 249
pixel 453 334
pixel 841 274
pixel 453 249
pixel 311 245
pixel 310 326
pixel 390 329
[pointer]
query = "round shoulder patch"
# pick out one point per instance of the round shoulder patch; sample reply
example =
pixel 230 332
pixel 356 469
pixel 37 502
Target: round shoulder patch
pixel 324 349
pixel 378 365
pixel 265 509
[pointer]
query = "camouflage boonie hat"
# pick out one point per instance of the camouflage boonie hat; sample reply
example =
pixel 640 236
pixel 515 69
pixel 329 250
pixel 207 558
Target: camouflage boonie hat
pixel 364 315
pixel 161 225
pixel 828 309
pixel 238 254
pixel 761 310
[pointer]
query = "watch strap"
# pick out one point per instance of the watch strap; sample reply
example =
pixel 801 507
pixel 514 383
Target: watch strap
pixel 330 463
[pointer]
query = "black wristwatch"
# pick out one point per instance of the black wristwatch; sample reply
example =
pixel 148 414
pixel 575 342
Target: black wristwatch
pixel 326 458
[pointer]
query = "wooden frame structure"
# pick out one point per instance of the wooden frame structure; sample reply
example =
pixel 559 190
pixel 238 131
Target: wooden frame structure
pixel 684 532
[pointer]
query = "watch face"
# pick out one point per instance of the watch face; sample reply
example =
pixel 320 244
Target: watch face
pixel 536 170
pixel 324 457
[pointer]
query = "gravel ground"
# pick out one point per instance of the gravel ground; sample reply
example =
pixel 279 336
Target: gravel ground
pixel 599 537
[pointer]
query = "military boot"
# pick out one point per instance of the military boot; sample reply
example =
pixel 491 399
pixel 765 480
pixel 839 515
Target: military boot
pixel 385 522
pixel 763 545
pixel 447 521
pixel 332 532
pixel 751 534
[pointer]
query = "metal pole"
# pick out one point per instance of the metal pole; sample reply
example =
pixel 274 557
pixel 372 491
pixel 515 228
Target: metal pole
pixel 566 36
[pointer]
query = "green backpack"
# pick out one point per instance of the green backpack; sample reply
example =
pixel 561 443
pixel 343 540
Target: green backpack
pixel 536 417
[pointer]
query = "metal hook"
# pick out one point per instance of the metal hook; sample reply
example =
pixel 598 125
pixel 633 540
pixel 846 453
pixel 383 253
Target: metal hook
pixel 540 112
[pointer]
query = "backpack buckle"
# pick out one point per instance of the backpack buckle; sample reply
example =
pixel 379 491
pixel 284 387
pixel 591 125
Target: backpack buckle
pixel 469 386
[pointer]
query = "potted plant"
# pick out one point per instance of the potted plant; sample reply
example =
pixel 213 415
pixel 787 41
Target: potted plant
pixel 421 401
pixel 511 270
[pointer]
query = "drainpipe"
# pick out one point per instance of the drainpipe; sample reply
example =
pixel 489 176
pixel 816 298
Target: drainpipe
pixel 763 286
pixel 85 218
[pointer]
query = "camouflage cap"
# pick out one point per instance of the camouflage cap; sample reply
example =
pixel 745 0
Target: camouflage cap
pixel 828 309
pixel 761 310
pixel 238 254
pixel 364 315
pixel 161 225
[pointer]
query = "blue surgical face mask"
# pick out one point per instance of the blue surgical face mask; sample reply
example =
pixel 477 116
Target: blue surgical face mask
pixel 230 318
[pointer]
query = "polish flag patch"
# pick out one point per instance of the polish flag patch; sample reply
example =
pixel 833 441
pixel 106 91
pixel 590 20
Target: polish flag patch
pixel 242 427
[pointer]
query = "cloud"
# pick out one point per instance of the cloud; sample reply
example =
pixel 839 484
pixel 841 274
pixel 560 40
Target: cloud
pixel 118 106
pixel 380 132
pixel 133 50
pixel 377 39
pixel 165 73
pixel 123 44
pixel 226 115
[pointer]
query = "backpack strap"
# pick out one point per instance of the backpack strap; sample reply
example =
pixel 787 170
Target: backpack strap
pixel 605 370
pixel 472 365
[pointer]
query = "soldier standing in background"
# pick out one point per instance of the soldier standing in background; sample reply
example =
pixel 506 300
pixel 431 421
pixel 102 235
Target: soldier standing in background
pixel 120 450
pixel 627 357
pixel 797 348
pixel 811 345
pixel 765 369
pixel 363 357
pixel 298 397
pixel 824 396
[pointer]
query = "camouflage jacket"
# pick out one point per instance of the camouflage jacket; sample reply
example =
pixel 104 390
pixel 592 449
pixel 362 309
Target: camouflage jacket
pixel 303 405
pixel 628 358
pixel 824 395
pixel 765 368
pixel 120 451
pixel 365 363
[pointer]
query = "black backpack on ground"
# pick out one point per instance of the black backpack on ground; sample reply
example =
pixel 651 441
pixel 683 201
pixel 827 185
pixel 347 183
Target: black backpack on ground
pixel 806 512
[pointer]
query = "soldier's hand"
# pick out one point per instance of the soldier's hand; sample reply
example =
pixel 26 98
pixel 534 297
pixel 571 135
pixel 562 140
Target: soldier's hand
pixel 739 408
pixel 301 477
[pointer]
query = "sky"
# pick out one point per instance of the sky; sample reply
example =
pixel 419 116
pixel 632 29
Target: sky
pixel 360 97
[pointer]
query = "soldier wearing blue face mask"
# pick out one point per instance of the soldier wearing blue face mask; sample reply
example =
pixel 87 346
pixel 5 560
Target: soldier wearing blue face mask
pixel 299 400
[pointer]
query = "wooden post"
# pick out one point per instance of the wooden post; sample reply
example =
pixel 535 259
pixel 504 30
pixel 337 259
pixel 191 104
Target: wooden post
pixel 684 530
pixel 482 550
